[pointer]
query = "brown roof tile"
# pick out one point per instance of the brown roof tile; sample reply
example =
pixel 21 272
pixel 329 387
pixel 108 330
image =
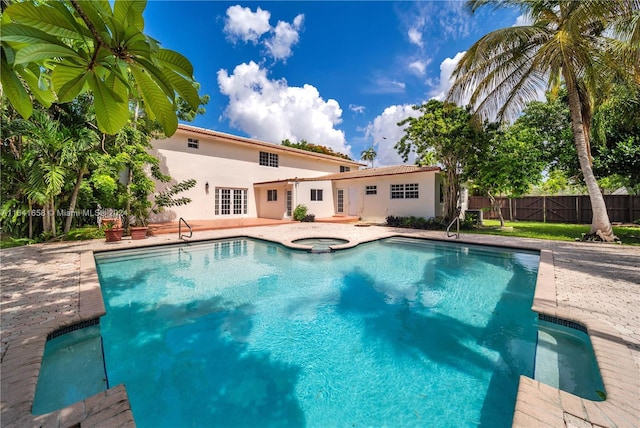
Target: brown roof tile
pixel 365 173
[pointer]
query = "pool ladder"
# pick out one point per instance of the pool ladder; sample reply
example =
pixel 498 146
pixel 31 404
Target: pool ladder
pixel 180 235
pixel 455 221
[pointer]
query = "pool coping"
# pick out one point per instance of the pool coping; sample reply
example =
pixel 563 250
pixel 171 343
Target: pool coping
pixel 536 404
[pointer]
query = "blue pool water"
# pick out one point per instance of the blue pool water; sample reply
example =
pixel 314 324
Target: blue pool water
pixel 74 361
pixel 565 360
pixel 397 332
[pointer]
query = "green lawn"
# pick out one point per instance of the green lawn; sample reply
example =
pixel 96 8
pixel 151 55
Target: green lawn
pixel 629 235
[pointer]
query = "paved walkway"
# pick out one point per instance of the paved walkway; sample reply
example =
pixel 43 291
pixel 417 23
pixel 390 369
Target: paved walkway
pixel 49 286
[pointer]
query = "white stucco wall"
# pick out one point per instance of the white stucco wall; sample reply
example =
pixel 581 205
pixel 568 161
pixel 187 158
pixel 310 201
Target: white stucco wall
pixel 321 209
pixel 229 165
pixel 272 209
pixel 378 207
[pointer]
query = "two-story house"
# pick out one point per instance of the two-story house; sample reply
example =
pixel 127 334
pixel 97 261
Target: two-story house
pixel 242 177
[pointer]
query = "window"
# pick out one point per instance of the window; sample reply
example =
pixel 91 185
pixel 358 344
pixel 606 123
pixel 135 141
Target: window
pixel 269 159
pixel 371 190
pixel 397 191
pixel 345 168
pixel 316 194
pixel 272 195
pixel 411 191
pixel 192 143
pixel 404 191
pixel 230 200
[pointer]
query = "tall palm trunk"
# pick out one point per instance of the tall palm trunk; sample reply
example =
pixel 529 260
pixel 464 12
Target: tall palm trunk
pixel 600 224
pixel 74 199
pixel 30 218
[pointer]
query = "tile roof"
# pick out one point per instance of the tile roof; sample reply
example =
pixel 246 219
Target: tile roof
pixel 366 173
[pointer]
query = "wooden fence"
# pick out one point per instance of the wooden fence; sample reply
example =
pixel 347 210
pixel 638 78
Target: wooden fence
pixel 558 209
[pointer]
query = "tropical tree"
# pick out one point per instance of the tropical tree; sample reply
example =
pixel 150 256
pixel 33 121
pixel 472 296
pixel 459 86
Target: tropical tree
pixel 567 42
pixel 55 51
pixel 444 132
pixel 617 138
pixel 47 167
pixel 369 155
pixel 510 163
pixel 310 147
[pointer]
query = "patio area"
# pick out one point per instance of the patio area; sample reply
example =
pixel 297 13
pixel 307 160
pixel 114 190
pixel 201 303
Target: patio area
pixel 49 286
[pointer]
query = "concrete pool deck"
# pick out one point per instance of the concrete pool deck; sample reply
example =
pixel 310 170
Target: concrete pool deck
pixel 46 287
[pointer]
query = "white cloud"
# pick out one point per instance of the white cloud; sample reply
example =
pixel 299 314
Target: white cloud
pixel 418 67
pixel 243 24
pixel 285 36
pixel 386 85
pixel 385 133
pixel 415 36
pixel 356 108
pixel 271 110
pixel 447 66
pixel 522 20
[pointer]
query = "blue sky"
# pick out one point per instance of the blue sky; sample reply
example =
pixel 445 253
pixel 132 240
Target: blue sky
pixel 339 74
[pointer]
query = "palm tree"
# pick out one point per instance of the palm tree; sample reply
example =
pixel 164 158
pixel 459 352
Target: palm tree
pixel 568 42
pixel 46 139
pixel 369 155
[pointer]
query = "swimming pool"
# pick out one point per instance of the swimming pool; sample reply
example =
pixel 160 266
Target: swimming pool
pixel 398 332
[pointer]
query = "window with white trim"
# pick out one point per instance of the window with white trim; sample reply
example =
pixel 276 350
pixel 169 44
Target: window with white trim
pixel 411 191
pixel 227 201
pixel 316 194
pixel 192 143
pixel 397 191
pixel 269 159
pixel 371 190
pixel 405 191
pixel 345 168
pixel 272 195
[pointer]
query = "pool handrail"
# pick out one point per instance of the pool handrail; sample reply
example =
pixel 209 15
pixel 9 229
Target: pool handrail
pixel 180 236
pixel 456 220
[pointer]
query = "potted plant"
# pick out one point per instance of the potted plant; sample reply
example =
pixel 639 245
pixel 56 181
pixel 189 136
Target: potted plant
pixel 139 218
pixel 113 231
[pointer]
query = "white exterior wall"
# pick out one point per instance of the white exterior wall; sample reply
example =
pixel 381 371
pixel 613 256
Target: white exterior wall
pixel 378 207
pixel 302 195
pixel 272 209
pixel 229 165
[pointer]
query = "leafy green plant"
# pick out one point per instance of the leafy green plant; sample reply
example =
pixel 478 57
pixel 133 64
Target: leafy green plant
pixel 65 48
pixel 83 233
pixel 300 212
pixel 309 218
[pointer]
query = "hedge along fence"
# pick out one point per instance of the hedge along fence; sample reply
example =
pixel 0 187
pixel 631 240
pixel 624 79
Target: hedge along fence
pixel 558 209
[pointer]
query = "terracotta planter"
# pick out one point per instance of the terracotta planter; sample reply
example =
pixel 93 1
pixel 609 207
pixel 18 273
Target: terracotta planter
pixel 114 234
pixel 138 232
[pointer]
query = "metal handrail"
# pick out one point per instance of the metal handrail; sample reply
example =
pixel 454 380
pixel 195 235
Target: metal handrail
pixel 180 236
pixel 456 220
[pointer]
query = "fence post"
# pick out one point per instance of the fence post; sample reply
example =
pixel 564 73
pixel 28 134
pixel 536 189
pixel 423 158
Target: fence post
pixel 544 209
pixel 578 219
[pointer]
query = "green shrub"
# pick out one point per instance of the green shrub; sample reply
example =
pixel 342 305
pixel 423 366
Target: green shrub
pixel 432 223
pixel 300 212
pixel 309 218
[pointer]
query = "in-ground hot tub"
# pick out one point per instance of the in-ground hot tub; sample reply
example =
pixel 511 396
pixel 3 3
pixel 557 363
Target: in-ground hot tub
pixel 320 245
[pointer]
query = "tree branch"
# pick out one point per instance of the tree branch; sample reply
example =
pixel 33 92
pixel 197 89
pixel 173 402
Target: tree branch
pixel 96 36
